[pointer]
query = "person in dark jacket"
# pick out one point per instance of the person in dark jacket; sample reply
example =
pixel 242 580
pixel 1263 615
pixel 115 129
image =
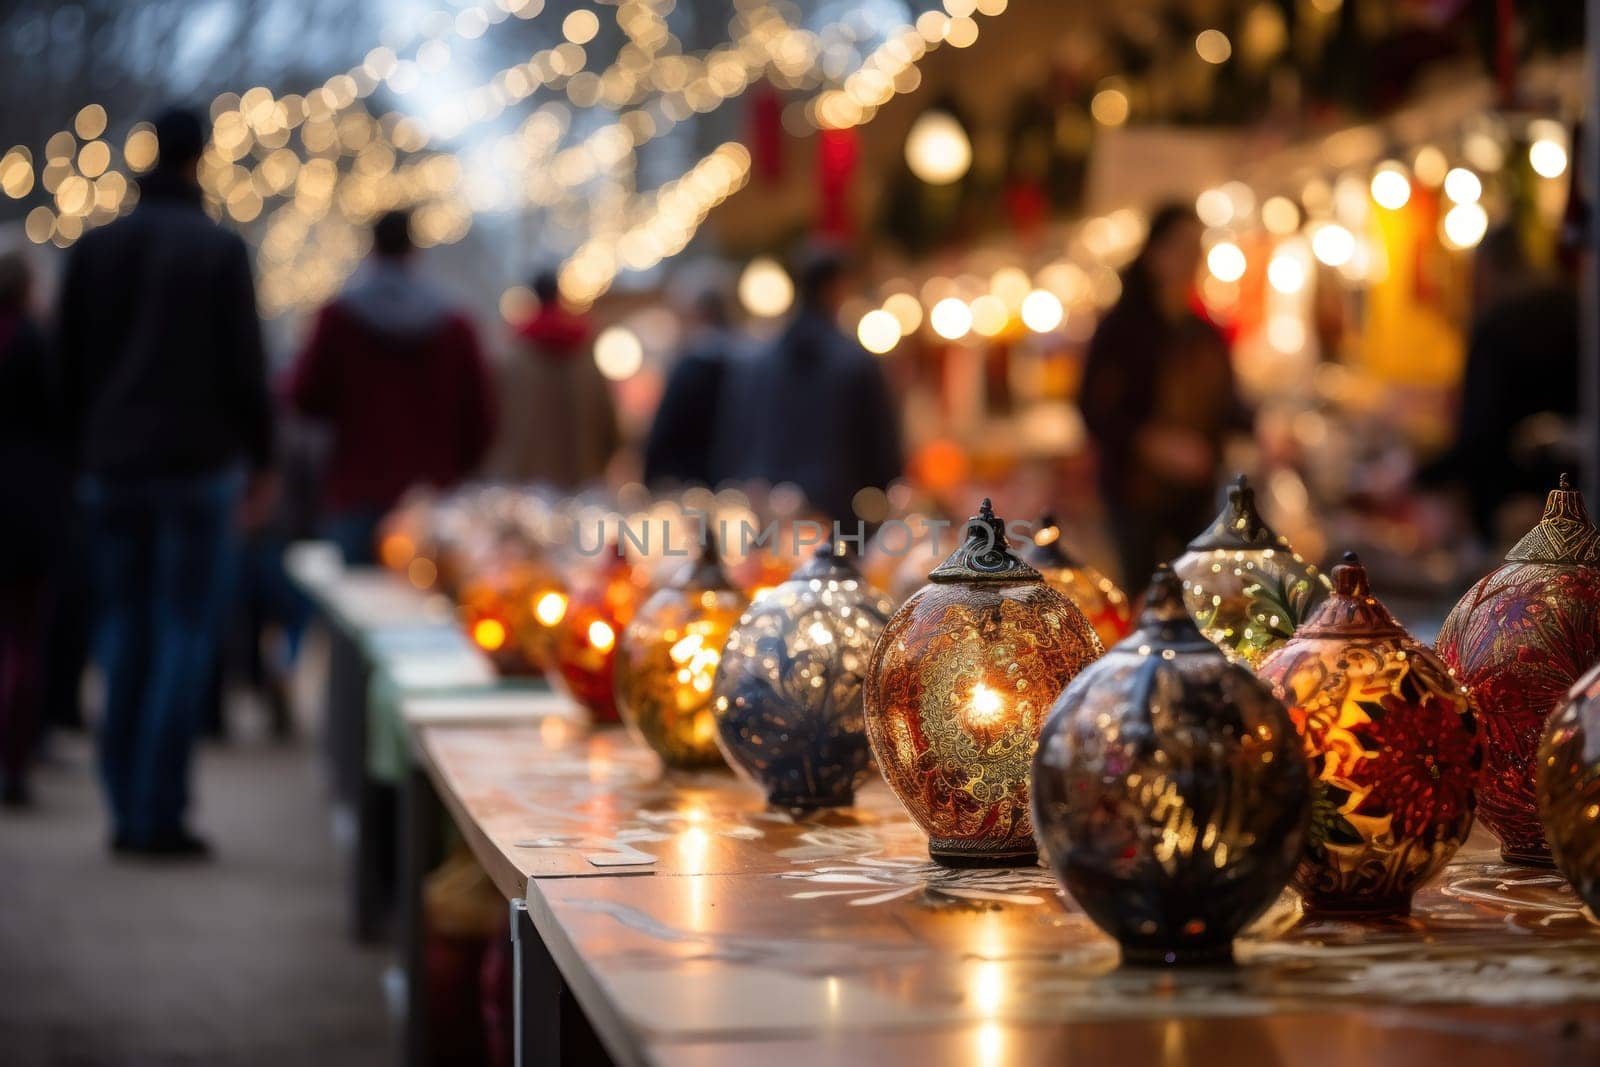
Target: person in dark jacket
pixel 678 450
pixel 813 408
pixel 35 485
pixel 1159 401
pixel 165 392
pixel 396 372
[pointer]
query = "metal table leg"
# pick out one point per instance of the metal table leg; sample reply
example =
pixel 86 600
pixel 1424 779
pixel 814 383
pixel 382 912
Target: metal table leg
pixel 421 846
pixel 550 1028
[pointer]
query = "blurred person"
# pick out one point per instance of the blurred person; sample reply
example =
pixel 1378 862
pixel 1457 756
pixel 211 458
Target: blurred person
pixel 813 407
pixel 1159 401
pixel 558 426
pixel 677 451
pixel 166 395
pixel 1519 390
pixel 396 372
pixel 36 486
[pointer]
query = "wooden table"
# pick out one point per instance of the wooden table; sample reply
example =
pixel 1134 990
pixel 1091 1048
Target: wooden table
pixel 681 922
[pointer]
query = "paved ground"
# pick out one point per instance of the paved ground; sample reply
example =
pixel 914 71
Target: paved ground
pixel 243 961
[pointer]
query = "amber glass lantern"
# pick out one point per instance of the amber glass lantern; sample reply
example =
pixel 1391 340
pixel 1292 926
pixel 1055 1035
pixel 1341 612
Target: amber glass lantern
pixel 1170 791
pixel 1519 639
pixel 1245 586
pixel 788 693
pixel 538 630
pixel 495 609
pixel 957 690
pixel 668 661
pixel 1392 737
pixel 587 631
pixel 1102 603
pixel 1569 787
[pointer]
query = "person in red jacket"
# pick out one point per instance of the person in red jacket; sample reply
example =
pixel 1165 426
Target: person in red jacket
pixel 397 374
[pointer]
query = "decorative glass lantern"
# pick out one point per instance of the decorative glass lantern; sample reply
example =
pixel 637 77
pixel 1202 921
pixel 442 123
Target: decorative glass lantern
pixel 957 691
pixel 788 692
pixel 668 662
pixel 1171 794
pixel 587 631
pixel 1102 603
pixel 1246 588
pixel 1392 738
pixel 1518 640
pixel 1569 787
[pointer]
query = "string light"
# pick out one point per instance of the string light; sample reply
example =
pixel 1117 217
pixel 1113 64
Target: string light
pixel 878 331
pixel 1462 186
pixel 1226 261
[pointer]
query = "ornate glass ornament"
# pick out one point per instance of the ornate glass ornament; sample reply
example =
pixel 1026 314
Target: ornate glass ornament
pixel 1569 787
pixel 1518 640
pixel 957 690
pixel 586 635
pixel 668 660
pixel 1393 742
pixel 1245 586
pixel 1102 603
pixel 1171 794
pixel 788 692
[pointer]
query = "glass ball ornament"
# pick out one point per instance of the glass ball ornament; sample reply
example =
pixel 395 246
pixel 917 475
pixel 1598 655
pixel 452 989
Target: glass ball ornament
pixel 592 620
pixel 1171 794
pixel 1568 788
pixel 1246 588
pixel 1518 640
pixel 1392 738
pixel 957 690
pixel 789 690
pixel 1105 606
pixel 667 663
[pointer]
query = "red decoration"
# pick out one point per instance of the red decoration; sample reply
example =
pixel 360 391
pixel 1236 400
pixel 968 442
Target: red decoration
pixel 837 154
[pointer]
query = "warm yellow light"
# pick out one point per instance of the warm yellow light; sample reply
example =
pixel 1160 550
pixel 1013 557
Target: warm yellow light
pixel 1547 158
pixel 985 706
pixel 905 308
pixel 938 150
pixel 580 26
pixel 765 289
pixel 422 572
pixel 1390 187
pixel 1280 216
pixel 90 122
pixel 1213 46
pixel 489 634
pixel 517 304
pixel 1286 333
pixel 950 318
pixel 1286 273
pixel 989 315
pixel 1042 311
pixel 618 353
pixel 878 331
pixel 1011 285
pixel 1464 225
pixel 1430 166
pixel 601 635
pixel 550 609
pixel 1333 244
pixel 1214 207
pixel 1462 186
pixel 1226 261
pixel 94 158
pixel 1109 107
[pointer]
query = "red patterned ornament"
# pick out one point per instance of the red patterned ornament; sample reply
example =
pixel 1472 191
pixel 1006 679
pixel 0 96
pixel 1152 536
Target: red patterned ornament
pixel 958 688
pixel 1569 787
pixel 1519 640
pixel 1393 746
pixel 1105 606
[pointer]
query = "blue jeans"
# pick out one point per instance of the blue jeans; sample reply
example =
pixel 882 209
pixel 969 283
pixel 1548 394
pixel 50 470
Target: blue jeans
pixel 161 554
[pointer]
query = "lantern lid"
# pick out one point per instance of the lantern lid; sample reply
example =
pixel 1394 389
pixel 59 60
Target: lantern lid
pixel 1564 535
pixel 1045 549
pixel 832 560
pixel 985 555
pixel 1238 525
pixel 1351 610
pixel 1165 623
pixel 703 573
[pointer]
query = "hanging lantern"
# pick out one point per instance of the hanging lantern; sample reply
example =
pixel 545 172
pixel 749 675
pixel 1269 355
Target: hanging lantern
pixel 1392 739
pixel 668 661
pixel 957 690
pixel 587 632
pixel 1569 788
pixel 788 692
pixel 1171 794
pixel 1246 588
pixel 1102 603
pixel 1518 640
